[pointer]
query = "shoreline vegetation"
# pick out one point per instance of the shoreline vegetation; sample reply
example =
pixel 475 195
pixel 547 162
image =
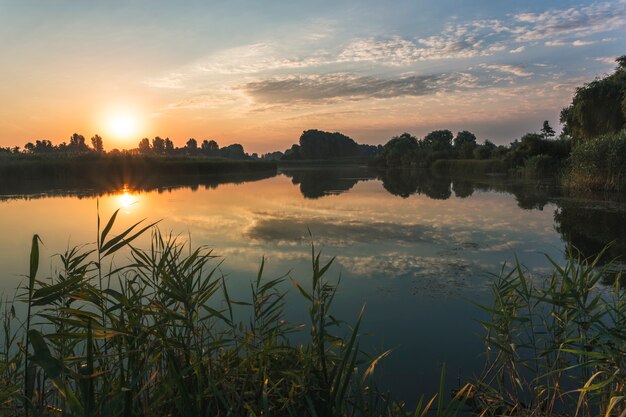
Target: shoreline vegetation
pixel 104 173
pixel 589 154
pixel 160 335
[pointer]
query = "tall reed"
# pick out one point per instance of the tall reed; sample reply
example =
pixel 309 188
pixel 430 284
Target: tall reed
pixel 158 336
pixel 555 347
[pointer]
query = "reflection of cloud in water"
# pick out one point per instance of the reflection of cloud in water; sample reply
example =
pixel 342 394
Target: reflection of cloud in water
pixel 392 265
pixel 501 247
pixel 292 229
pixel 429 275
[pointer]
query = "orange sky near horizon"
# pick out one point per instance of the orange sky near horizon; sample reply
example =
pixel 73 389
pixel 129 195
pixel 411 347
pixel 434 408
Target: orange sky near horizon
pixel 260 74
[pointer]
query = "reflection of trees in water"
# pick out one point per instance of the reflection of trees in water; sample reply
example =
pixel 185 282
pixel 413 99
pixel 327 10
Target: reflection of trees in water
pixel 83 187
pixel 406 182
pixel 589 226
pixel 322 181
pixel 586 222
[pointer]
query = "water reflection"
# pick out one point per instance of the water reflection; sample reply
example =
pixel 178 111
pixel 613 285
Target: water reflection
pixel 316 182
pixel 414 247
pixel 86 187
pixel 585 222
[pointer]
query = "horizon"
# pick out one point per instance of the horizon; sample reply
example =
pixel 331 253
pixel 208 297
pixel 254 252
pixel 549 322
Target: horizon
pixel 260 75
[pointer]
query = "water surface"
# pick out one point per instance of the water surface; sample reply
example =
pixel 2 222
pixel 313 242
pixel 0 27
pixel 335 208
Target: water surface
pixel 414 249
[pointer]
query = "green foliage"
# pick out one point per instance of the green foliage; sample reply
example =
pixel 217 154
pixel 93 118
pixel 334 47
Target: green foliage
pixel 439 140
pixel 468 166
pixel 599 107
pixel 158 336
pixel 543 165
pixel 554 347
pixel 319 145
pixel 464 144
pixel 400 150
pixel 485 151
pixel 599 164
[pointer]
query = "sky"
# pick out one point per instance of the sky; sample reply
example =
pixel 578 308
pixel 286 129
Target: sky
pixel 261 72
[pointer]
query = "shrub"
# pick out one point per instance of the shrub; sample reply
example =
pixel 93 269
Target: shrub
pixel 599 164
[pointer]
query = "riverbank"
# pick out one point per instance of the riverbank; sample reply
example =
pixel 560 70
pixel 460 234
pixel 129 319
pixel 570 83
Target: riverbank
pixel 122 169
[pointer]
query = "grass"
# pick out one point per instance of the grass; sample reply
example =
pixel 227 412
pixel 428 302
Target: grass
pixel 158 335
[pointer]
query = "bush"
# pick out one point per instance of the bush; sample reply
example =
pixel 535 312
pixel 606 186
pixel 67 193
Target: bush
pixel 599 164
pixel 468 166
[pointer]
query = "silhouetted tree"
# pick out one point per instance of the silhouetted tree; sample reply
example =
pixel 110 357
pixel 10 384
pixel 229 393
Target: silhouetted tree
pixel 97 144
pixel 234 151
pixel 439 140
pixel 547 130
pixel 484 151
pixel 210 147
pixel 192 146
pixel 464 144
pixel 168 146
pixel 158 145
pixel 144 146
pixel 77 144
pixel 400 150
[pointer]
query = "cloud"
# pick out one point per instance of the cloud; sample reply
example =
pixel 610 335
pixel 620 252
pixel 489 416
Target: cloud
pixel 313 88
pixel 509 69
pixel 517 50
pixel 582 43
pixel 290 230
pixel 250 59
pixel 456 41
pixel 606 60
pixel 555 43
pixel 554 23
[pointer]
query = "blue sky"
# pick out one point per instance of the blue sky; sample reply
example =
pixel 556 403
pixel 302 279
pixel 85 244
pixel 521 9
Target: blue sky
pixel 259 73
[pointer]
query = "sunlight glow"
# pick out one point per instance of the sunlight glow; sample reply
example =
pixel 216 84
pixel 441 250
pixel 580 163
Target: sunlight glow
pixel 123 125
pixel 126 200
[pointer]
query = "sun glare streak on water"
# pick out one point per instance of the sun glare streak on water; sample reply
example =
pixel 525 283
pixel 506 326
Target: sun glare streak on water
pixel 126 200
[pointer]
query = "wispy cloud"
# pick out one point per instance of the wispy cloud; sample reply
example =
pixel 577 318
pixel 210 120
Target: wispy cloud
pixel 516 70
pixel 582 43
pixel 606 60
pixel 346 86
pixel 555 23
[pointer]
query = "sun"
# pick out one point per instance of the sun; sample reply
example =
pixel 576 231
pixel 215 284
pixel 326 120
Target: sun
pixel 123 126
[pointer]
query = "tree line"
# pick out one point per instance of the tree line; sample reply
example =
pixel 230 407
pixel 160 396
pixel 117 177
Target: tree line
pixel 591 148
pixel 78 145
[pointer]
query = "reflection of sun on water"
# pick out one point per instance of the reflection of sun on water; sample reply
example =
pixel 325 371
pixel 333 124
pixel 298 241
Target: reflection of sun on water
pixel 126 200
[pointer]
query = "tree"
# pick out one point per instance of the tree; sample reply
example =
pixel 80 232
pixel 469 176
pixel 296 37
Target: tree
pixel 234 151
pixel 210 147
pixel 400 150
pixel 77 144
pixel 464 144
pixel 598 107
pixel 547 130
pixel 317 144
pixel 97 144
pixel 144 146
pixel 158 145
pixel 169 146
pixel 192 146
pixel 439 140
